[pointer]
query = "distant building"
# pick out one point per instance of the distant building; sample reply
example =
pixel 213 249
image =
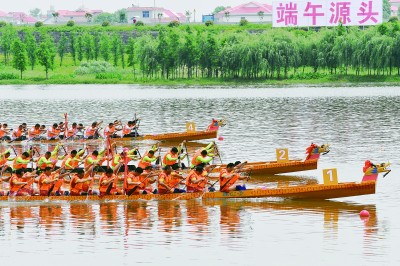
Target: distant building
pixel 394 7
pixel 22 18
pixel 153 14
pixel 78 16
pixel 5 17
pixel 252 11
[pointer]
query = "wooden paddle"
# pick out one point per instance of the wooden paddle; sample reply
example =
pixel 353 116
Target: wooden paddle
pixel 110 186
pixel 130 192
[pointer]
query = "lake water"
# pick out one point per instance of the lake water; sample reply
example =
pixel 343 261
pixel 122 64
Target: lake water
pixel 359 123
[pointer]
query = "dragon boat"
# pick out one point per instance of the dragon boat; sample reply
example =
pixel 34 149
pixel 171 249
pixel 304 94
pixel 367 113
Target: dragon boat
pixel 283 164
pixel 191 134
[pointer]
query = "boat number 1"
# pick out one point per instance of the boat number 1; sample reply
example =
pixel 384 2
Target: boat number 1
pixel 282 155
pixel 330 176
pixel 190 127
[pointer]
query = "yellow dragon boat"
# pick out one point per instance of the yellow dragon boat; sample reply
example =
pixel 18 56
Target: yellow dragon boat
pixel 283 164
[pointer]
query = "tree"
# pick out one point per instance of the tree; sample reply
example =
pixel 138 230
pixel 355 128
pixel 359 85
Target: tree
pixel 46 54
pixel 104 17
pixel 130 50
pixel 62 47
pixel 35 12
pixel 9 34
pixel 219 9
pixel 73 46
pixel 89 17
pixel 55 16
pixel 115 47
pixel 31 47
pixel 386 9
pixel 121 16
pixel 105 47
pixel 19 60
pixel 261 15
pixel 79 47
pixel 227 15
pixel 88 46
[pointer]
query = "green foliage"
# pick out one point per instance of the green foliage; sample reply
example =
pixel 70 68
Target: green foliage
pixel 209 23
pixel 19 60
pixel 3 24
pixel 105 46
pixel 31 48
pixel 105 23
pixel 393 19
pixel 173 24
pixel 105 17
pixel 105 76
pixel 121 15
pixel 219 9
pixel 71 23
pixel 9 34
pixel 38 24
pixel 4 76
pixel 46 54
pixel 95 67
pixel 62 47
pixel 139 23
pixel 243 22
pixel 386 9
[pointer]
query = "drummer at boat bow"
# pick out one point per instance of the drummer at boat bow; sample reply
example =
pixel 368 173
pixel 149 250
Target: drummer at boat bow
pixel 229 176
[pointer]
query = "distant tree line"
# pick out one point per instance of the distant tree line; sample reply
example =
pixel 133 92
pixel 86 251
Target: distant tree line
pixel 193 52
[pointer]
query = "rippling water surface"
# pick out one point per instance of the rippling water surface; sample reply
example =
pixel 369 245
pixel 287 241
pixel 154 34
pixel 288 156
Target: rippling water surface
pixel 360 123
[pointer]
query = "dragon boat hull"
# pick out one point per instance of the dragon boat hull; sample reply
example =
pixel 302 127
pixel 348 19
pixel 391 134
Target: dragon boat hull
pixel 318 191
pixel 169 137
pixel 273 167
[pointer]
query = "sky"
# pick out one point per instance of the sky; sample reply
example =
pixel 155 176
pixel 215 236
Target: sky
pixel 202 6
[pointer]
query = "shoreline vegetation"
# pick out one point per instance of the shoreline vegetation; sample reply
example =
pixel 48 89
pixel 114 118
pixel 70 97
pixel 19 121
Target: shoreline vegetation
pixel 199 55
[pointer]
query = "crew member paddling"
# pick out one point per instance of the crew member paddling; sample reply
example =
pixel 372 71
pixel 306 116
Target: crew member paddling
pixel 4 158
pixel 34 132
pixel 203 156
pixel 134 184
pixel 108 179
pixel 229 176
pixel 18 134
pixel 173 157
pixel 80 181
pixel 53 132
pixel 92 132
pixel 22 161
pixel 4 132
pixel 48 180
pixel 168 181
pixel 21 182
pixel 197 179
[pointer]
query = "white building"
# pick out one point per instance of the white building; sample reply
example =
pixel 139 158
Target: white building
pixel 5 17
pixel 252 12
pixel 153 15
pixel 79 16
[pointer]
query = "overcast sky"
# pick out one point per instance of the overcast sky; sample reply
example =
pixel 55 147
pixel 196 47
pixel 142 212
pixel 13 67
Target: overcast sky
pixel 201 6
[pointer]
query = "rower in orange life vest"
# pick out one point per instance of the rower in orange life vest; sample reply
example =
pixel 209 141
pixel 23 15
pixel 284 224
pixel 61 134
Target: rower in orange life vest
pixel 72 161
pixel 80 181
pixel 203 156
pixel 49 159
pixel 53 132
pixel 96 158
pixel 229 176
pixel 197 179
pixel 111 129
pixel 35 132
pixel 134 181
pixel 18 134
pixel 148 158
pixel 109 178
pixel 92 132
pixel 73 131
pixel 173 156
pixel 168 182
pixel 127 130
pixel 4 132
pixel 4 158
pixel 48 180
pixel 22 161
pixel 21 182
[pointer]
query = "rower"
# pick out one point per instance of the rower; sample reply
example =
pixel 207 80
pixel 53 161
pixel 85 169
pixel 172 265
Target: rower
pixel 95 158
pixel 133 181
pixel 203 156
pixel 168 182
pixel 21 182
pixel 197 179
pixel 173 156
pixel 127 130
pixel 80 181
pixel 44 161
pixel 4 132
pixel 92 132
pixel 53 132
pixel 109 131
pixel 147 159
pixel 34 132
pixel 48 180
pixel 109 178
pixel 4 158
pixel 22 161
pixel 71 162
pixel 18 134
pixel 229 176
pixel 72 131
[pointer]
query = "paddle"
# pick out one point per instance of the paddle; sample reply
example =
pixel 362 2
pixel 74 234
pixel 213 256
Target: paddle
pixel 29 183
pixel 187 155
pixel 217 150
pixel 114 181
pixel 229 179
pixel 61 178
pixel 386 173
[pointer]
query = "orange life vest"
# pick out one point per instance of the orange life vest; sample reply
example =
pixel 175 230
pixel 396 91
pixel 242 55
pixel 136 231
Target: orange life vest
pixel 133 178
pixel 71 131
pixel 17 132
pixel 126 130
pixel 53 132
pixel 43 165
pixel 3 160
pixel 166 162
pixel 14 188
pixel 90 131
pixel 77 188
pixel 108 131
pixel 45 187
pixel 191 187
pixel 196 154
pixel 33 132
pixel 142 164
pixel 19 165
pixel 103 188
pixel 226 183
